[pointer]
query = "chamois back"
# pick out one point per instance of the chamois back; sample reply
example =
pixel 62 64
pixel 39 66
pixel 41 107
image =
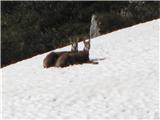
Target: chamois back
pixel 51 59
pixel 67 59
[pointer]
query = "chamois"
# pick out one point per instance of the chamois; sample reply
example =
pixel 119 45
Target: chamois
pixel 72 58
pixel 51 59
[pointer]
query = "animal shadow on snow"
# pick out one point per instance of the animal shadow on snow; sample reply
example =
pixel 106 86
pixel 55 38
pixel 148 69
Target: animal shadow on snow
pixel 97 59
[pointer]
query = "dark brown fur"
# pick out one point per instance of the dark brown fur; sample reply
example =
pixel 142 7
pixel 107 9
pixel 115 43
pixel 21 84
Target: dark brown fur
pixel 67 59
pixel 51 58
pixel 64 59
pixel 79 57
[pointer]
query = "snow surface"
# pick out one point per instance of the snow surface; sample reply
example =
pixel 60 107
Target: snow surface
pixel 123 85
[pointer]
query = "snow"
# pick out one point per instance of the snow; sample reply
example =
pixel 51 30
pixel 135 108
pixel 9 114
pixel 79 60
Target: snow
pixel 123 85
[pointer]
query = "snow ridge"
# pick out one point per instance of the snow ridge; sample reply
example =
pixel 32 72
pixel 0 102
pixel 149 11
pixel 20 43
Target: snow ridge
pixel 123 85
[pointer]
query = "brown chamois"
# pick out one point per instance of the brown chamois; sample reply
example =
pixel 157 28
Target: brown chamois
pixel 51 59
pixel 72 58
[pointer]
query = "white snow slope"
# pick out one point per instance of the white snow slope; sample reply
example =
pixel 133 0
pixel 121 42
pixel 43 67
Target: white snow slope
pixel 123 85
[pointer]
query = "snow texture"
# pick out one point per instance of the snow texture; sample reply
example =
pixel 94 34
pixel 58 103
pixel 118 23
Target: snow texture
pixel 124 85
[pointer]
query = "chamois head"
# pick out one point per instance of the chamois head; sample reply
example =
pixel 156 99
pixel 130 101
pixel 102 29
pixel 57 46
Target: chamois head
pixel 74 45
pixel 86 45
